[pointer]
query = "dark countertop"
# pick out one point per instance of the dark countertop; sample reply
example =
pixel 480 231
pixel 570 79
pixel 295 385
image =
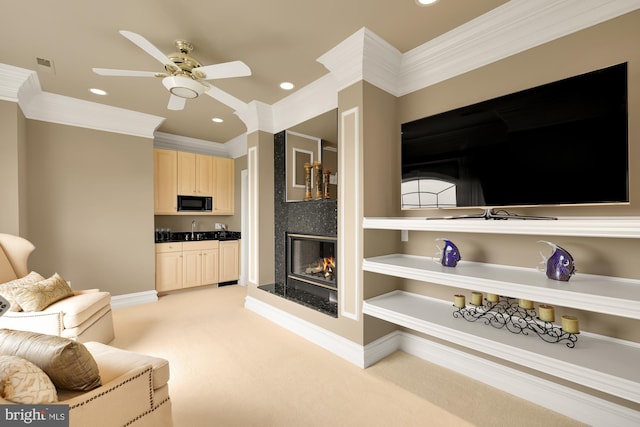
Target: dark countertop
pixel 185 236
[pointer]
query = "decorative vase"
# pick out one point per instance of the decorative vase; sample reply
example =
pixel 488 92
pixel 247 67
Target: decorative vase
pixel 449 255
pixel 307 181
pixel 560 265
pixel 318 177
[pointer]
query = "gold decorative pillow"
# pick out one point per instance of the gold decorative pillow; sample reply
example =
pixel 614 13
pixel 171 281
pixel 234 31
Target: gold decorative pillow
pixel 23 382
pixel 38 296
pixel 68 363
pixel 8 289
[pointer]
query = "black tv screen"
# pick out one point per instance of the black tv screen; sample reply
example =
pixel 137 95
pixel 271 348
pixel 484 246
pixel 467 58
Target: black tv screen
pixel 562 143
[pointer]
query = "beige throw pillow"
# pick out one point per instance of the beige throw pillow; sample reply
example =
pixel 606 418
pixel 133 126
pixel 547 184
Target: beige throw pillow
pixel 39 295
pixel 8 289
pixel 68 363
pixel 23 382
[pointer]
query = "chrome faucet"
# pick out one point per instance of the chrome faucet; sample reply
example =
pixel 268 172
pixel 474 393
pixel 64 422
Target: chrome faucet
pixel 193 226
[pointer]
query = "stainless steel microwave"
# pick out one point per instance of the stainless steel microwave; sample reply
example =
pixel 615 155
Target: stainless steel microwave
pixel 195 204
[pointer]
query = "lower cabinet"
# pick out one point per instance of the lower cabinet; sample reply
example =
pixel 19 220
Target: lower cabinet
pixel 199 263
pixel 168 266
pixel 229 261
pixel 187 264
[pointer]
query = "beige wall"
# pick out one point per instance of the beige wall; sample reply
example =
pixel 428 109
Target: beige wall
pixel 90 207
pixel 604 45
pixel 13 169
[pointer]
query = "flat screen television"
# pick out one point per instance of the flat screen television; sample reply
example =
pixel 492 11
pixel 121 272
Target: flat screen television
pixel 562 143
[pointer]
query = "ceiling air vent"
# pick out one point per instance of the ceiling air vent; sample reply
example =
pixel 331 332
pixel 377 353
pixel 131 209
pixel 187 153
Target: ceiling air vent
pixel 45 65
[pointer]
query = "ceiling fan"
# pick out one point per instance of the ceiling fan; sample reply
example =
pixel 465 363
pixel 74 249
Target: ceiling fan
pixel 184 77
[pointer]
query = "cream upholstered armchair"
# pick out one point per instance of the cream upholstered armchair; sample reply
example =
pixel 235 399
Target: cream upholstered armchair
pixel 49 306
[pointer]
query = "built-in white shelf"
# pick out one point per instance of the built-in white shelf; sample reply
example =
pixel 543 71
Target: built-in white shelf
pixel 615 227
pixel 602 294
pixel 599 362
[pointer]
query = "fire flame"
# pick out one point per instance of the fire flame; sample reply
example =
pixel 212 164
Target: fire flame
pixel 328 264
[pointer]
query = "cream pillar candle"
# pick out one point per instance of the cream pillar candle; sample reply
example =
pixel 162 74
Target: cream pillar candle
pixel 492 297
pixel 546 313
pixel 570 324
pixel 476 298
pixel 459 301
pixel 526 304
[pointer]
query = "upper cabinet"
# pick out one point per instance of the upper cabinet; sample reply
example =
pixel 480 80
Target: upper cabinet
pixel 181 173
pixel 165 181
pixel 223 186
pixel 195 174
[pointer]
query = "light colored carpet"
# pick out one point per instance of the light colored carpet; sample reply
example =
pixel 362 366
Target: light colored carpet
pixel 231 367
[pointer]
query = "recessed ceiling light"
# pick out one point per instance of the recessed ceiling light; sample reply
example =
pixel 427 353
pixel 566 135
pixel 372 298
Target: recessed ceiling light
pixel 217 120
pixel 425 2
pixel 97 91
pixel 286 85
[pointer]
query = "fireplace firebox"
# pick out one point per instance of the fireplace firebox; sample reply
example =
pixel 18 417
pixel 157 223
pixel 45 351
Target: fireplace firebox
pixel 312 259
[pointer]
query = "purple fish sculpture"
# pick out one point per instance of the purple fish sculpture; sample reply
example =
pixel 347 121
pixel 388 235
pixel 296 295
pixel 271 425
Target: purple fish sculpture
pixel 560 265
pixel 449 255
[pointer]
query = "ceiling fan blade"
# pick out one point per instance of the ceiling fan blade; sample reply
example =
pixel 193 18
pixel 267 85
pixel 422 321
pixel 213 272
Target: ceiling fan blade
pixel 125 73
pixel 146 45
pixel 225 70
pixel 176 103
pixel 227 99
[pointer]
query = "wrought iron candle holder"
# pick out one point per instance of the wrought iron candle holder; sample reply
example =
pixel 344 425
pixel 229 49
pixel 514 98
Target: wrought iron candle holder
pixel 508 313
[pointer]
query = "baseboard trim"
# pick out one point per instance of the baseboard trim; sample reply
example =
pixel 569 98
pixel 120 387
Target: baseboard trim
pixel 119 301
pixel 328 340
pixel 564 400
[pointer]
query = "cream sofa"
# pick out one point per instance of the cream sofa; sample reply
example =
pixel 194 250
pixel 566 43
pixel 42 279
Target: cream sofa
pixel 134 388
pixel 84 316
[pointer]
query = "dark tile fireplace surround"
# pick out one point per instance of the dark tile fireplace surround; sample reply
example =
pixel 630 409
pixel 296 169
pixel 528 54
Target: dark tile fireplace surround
pixel 313 225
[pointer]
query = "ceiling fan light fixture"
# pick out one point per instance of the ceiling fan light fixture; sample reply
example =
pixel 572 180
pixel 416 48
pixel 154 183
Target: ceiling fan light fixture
pixel 184 87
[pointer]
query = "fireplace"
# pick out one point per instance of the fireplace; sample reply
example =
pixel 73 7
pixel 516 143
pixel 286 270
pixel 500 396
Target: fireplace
pixel 311 277
pixel 312 259
pixel 316 224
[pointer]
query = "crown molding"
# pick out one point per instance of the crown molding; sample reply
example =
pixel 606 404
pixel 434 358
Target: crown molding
pixel 22 86
pixel 237 147
pixel 64 110
pixel 310 101
pixel 364 56
pixel 170 141
pixel 512 28
pixel 257 116
pixel 17 82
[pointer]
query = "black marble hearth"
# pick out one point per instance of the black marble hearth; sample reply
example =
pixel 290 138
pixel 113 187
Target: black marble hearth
pixel 317 217
pixel 322 303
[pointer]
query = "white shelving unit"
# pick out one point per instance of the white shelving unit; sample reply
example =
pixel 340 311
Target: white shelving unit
pixel 618 227
pixel 603 294
pixel 604 364
pixel 599 362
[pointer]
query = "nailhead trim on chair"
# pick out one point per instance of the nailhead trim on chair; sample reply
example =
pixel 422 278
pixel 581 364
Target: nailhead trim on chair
pixel 144 414
pixel 149 372
pixel 117 386
pixel 22 316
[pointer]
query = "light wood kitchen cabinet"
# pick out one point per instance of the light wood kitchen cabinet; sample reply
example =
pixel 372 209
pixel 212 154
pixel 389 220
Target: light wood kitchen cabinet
pixel 229 261
pixel 195 174
pixel 200 263
pixel 186 264
pixel 191 174
pixel 165 180
pixel 168 266
pixel 223 186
